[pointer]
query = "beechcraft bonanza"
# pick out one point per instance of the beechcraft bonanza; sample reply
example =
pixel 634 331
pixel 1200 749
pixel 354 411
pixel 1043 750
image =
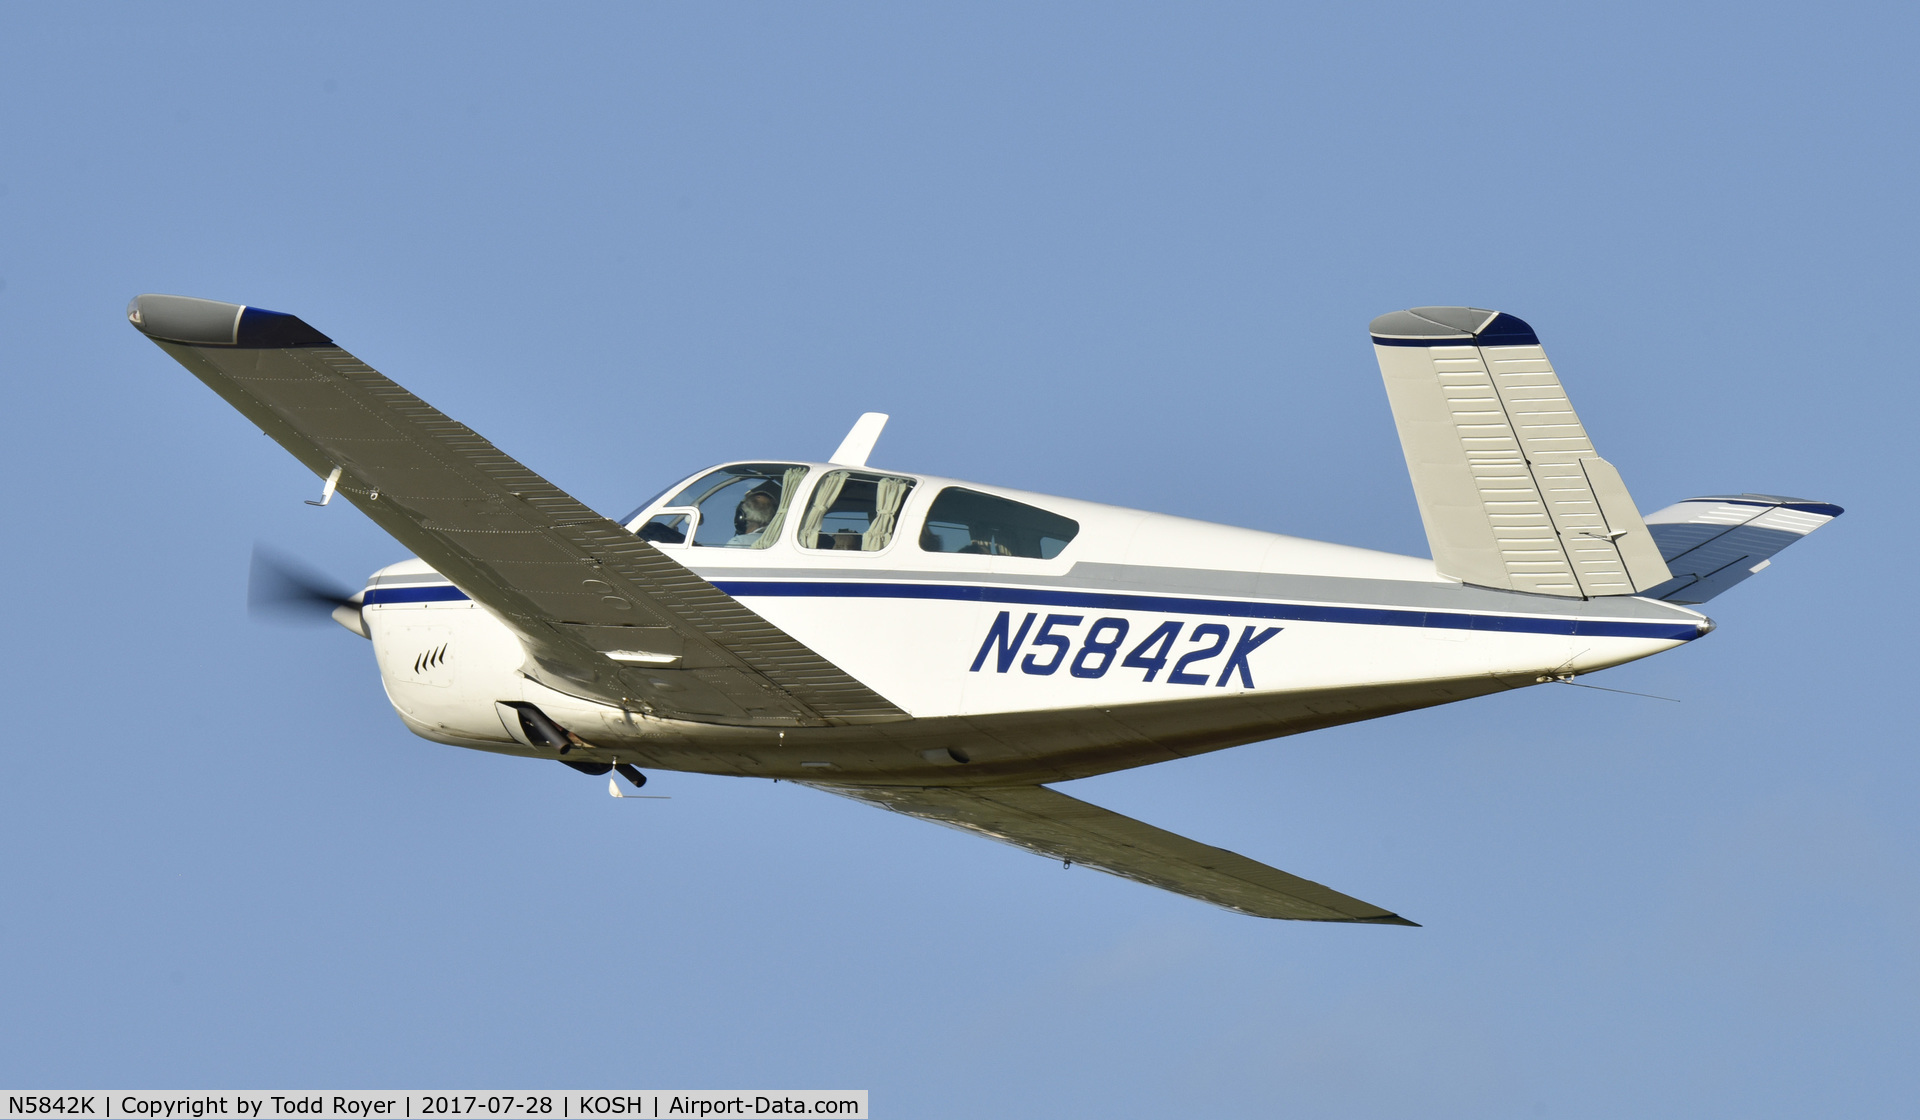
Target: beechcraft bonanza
pixel 945 648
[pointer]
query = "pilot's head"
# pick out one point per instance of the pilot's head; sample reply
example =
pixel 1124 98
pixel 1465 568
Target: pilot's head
pixel 756 509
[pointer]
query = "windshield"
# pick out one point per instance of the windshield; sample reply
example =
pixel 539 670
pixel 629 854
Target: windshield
pixel 643 507
pixel 742 506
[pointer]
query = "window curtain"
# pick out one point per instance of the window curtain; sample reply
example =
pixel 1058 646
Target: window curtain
pixel 824 495
pixel 886 510
pixel 789 484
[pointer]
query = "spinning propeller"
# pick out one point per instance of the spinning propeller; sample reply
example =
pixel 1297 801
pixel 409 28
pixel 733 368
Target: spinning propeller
pixel 281 589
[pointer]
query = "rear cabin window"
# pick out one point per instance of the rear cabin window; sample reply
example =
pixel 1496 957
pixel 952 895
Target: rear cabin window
pixel 968 521
pixel 854 512
pixel 742 506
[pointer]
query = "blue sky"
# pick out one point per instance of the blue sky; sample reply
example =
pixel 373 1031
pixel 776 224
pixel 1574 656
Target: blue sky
pixel 1116 251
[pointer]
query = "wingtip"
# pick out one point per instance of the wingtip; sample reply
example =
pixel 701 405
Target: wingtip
pixel 1388 920
pixel 207 322
pixel 1372 920
pixel 1801 505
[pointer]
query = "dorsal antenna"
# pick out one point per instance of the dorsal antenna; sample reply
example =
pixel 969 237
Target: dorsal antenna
pixel 853 450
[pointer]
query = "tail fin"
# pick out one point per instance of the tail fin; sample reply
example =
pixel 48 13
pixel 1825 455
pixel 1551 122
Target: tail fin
pixel 1512 493
pixel 1713 543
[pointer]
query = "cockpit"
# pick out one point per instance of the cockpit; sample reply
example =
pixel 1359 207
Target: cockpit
pixel 834 509
pixel 742 506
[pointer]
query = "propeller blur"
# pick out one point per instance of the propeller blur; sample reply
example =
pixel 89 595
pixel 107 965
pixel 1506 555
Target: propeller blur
pixel 281 589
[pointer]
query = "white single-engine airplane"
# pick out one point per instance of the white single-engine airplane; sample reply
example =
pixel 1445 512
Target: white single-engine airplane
pixel 944 648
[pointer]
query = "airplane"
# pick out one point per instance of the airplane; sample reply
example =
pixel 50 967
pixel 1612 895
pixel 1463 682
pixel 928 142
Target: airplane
pixel 946 649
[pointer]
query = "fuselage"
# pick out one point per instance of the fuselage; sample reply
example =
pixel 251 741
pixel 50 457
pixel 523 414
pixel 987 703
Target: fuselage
pixel 1028 637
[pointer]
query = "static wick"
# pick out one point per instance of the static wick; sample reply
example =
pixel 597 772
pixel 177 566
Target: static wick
pixel 1603 688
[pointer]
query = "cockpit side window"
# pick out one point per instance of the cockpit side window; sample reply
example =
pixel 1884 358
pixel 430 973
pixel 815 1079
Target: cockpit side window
pixel 665 528
pixel 742 506
pixel 968 521
pixel 854 512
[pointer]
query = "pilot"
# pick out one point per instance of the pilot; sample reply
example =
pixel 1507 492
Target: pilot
pixel 752 515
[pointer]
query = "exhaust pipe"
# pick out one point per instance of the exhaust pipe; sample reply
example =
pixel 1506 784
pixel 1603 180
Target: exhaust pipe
pixel 539 728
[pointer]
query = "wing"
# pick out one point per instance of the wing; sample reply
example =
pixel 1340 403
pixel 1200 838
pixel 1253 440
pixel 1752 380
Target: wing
pixel 1054 825
pixel 572 584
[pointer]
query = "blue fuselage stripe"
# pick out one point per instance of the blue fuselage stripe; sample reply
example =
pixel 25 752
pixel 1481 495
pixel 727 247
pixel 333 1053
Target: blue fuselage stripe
pixel 1164 604
pixel 442 593
pixel 1224 608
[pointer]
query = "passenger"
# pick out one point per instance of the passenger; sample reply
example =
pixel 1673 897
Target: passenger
pixel 987 548
pixel 753 514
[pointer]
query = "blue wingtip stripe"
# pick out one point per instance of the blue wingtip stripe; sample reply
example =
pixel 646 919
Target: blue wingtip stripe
pixel 1826 508
pixel 260 329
